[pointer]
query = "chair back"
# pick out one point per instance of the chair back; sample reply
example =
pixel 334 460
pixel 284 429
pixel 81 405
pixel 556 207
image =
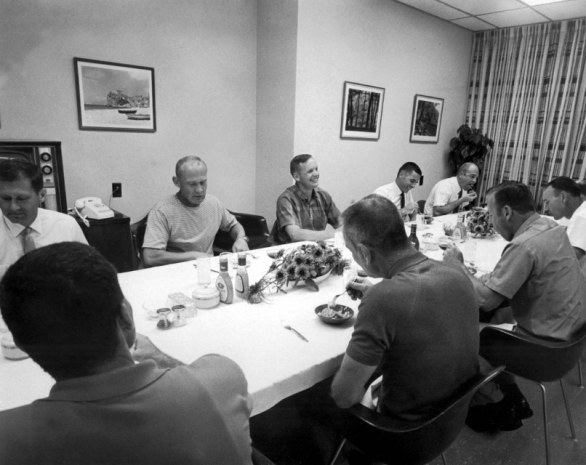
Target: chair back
pixel 421 206
pixel 255 227
pixel 388 441
pixel 530 357
pixel 137 230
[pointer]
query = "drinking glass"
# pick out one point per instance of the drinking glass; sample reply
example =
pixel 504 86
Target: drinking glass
pixel 350 274
pixel 204 274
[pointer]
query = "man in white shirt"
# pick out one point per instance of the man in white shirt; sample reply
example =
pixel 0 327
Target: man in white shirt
pixel 24 226
pixel 562 198
pixel 399 191
pixel 453 194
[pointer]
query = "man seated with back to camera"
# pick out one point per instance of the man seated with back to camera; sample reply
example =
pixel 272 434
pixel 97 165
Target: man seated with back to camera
pixel 539 275
pixel 562 199
pixel 454 194
pixel 24 225
pixel 183 226
pixel 399 191
pixel 65 308
pixel 418 325
pixel 304 210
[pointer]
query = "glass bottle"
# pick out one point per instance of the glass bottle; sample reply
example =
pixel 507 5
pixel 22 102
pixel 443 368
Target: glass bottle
pixel 413 237
pixel 241 283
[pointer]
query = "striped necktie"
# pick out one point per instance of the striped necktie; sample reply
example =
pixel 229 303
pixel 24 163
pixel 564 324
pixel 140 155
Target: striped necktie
pixel 28 242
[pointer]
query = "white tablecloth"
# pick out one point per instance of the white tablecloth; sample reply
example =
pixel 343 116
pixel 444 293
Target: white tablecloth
pixel 275 361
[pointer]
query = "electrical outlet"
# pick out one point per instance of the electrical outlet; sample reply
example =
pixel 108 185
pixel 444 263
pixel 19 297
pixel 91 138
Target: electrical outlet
pixel 116 189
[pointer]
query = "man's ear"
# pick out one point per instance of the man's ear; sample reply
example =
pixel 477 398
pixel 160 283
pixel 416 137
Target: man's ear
pixel 296 176
pixel 365 253
pixel 126 322
pixel 175 181
pixel 507 212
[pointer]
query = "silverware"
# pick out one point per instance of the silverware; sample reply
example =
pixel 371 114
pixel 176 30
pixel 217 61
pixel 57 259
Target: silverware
pixel 291 328
pixel 332 303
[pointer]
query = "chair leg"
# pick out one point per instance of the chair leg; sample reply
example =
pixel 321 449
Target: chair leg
pixel 338 450
pixel 568 411
pixel 444 459
pixel 581 382
pixel 544 399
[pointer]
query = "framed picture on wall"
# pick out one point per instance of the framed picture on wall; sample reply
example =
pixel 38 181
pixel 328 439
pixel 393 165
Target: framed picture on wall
pixel 115 96
pixel 426 119
pixel 362 111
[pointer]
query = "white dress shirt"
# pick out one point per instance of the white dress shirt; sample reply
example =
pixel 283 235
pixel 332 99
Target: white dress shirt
pixel 393 193
pixel 444 192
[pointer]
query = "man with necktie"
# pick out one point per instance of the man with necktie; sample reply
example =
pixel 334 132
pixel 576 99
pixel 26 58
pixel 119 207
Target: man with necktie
pixel 454 194
pixel 23 225
pixel 399 191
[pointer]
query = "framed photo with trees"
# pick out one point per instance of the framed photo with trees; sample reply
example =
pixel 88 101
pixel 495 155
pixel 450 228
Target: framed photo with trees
pixel 426 119
pixel 115 96
pixel 362 111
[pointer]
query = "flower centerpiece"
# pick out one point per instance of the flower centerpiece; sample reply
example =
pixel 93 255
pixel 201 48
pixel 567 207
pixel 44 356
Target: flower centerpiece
pixel 478 223
pixel 305 263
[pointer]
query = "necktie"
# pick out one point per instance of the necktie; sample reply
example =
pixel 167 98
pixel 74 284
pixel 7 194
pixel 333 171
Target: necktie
pixel 459 207
pixel 28 242
pixel 402 199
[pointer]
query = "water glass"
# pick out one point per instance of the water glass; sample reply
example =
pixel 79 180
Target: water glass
pixel 350 274
pixel 204 273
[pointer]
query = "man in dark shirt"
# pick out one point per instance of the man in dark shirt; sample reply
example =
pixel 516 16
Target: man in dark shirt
pixel 304 210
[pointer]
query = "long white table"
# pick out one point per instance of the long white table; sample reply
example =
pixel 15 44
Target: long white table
pixel 275 361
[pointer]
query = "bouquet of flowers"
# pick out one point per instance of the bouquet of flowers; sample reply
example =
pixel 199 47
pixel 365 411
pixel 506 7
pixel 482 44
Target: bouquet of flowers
pixel 479 224
pixel 305 263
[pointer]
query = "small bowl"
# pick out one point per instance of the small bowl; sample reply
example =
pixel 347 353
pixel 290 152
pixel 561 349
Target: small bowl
pixel 334 320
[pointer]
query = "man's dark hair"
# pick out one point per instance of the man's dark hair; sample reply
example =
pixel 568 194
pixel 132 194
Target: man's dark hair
pixel 15 169
pixel 61 303
pixel 375 222
pixel 582 186
pixel 565 184
pixel 409 167
pixel 298 160
pixel 514 194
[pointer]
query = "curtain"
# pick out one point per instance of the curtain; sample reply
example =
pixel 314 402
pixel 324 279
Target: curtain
pixel 527 93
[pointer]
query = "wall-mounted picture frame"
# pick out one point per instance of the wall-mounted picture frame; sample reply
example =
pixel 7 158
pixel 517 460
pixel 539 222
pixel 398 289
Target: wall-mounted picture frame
pixel 115 96
pixel 426 119
pixel 362 111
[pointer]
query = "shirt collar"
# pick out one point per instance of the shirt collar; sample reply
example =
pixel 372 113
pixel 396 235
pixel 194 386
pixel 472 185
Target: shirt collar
pixel 106 385
pixel 527 224
pixel 302 194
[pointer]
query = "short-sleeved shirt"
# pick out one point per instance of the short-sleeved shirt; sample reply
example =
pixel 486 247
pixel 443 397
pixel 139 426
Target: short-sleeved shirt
pixel 176 227
pixel 577 233
pixel 393 193
pixel 48 227
pixel 419 325
pixel 296 208
pixel 444 192
pixel 539 273
pixel 141 414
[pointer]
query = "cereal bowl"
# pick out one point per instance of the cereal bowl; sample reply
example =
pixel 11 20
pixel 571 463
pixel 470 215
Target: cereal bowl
pixel 336 316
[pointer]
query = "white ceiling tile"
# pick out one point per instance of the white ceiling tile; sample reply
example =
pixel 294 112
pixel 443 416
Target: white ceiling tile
pixel 434 8
pixel 563 10
pixel 478 7
pixel 472 23
pixel 514 18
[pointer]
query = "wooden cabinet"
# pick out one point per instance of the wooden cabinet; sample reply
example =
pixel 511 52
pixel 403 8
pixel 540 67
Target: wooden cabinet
pixel 113 240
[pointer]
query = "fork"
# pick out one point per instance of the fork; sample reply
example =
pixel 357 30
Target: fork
pixel 291 328
pixel 332 303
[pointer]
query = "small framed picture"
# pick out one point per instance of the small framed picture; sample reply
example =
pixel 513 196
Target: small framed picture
pixel 362 111
pixel 115 96
pixel 426 120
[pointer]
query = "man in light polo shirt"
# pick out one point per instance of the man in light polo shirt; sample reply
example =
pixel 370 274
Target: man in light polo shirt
pixel 182 227
pixel 453 194
pixel 562 197
pixel 539 275
pixel 399 191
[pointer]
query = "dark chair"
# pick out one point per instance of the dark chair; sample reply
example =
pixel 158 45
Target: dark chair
pixel 137 230
pixel 384 440
pixel 534 359
pixel 421 205
pixel 256 230
pixel 258 458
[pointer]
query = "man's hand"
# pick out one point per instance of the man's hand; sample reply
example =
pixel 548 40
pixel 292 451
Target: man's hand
pixel 469 196
pixel 240 245
pixel 358 287
pixel 453 254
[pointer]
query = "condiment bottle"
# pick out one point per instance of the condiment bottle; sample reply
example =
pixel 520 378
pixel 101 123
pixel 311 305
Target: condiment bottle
pixel 224 282
pixel 413 237
pixel 241 283
pixel 164 318
pixel 180 315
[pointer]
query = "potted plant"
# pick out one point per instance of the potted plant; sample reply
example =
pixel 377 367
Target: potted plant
pixel 469 146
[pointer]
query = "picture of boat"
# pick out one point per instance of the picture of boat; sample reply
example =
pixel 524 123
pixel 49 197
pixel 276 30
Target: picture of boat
pixel 127 111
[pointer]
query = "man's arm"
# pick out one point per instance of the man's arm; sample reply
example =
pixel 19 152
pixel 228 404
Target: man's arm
pixel 449 207
pixel 156 257
pixel 350 381
pixel 144 349
pixel 297 234
pixel 238 234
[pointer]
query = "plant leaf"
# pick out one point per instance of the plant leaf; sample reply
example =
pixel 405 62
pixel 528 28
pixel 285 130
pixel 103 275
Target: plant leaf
pixel 311 283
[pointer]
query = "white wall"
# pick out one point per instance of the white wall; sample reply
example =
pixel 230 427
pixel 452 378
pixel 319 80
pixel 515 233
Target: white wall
pixel 384 44
pixel 204 56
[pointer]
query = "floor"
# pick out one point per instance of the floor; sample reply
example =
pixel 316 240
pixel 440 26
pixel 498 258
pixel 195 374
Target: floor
pixel 293 444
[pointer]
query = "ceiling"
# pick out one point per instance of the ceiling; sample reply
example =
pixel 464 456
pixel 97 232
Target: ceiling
pixel 481 15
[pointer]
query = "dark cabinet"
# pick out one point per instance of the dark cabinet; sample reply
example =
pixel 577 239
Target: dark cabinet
pixel 112 238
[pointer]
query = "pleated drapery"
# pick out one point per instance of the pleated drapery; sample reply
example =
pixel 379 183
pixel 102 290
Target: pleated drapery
pixel 527 93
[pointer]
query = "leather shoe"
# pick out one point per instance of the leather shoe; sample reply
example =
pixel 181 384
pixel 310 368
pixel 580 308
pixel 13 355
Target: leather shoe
pixel 481 418
pixel 510 411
